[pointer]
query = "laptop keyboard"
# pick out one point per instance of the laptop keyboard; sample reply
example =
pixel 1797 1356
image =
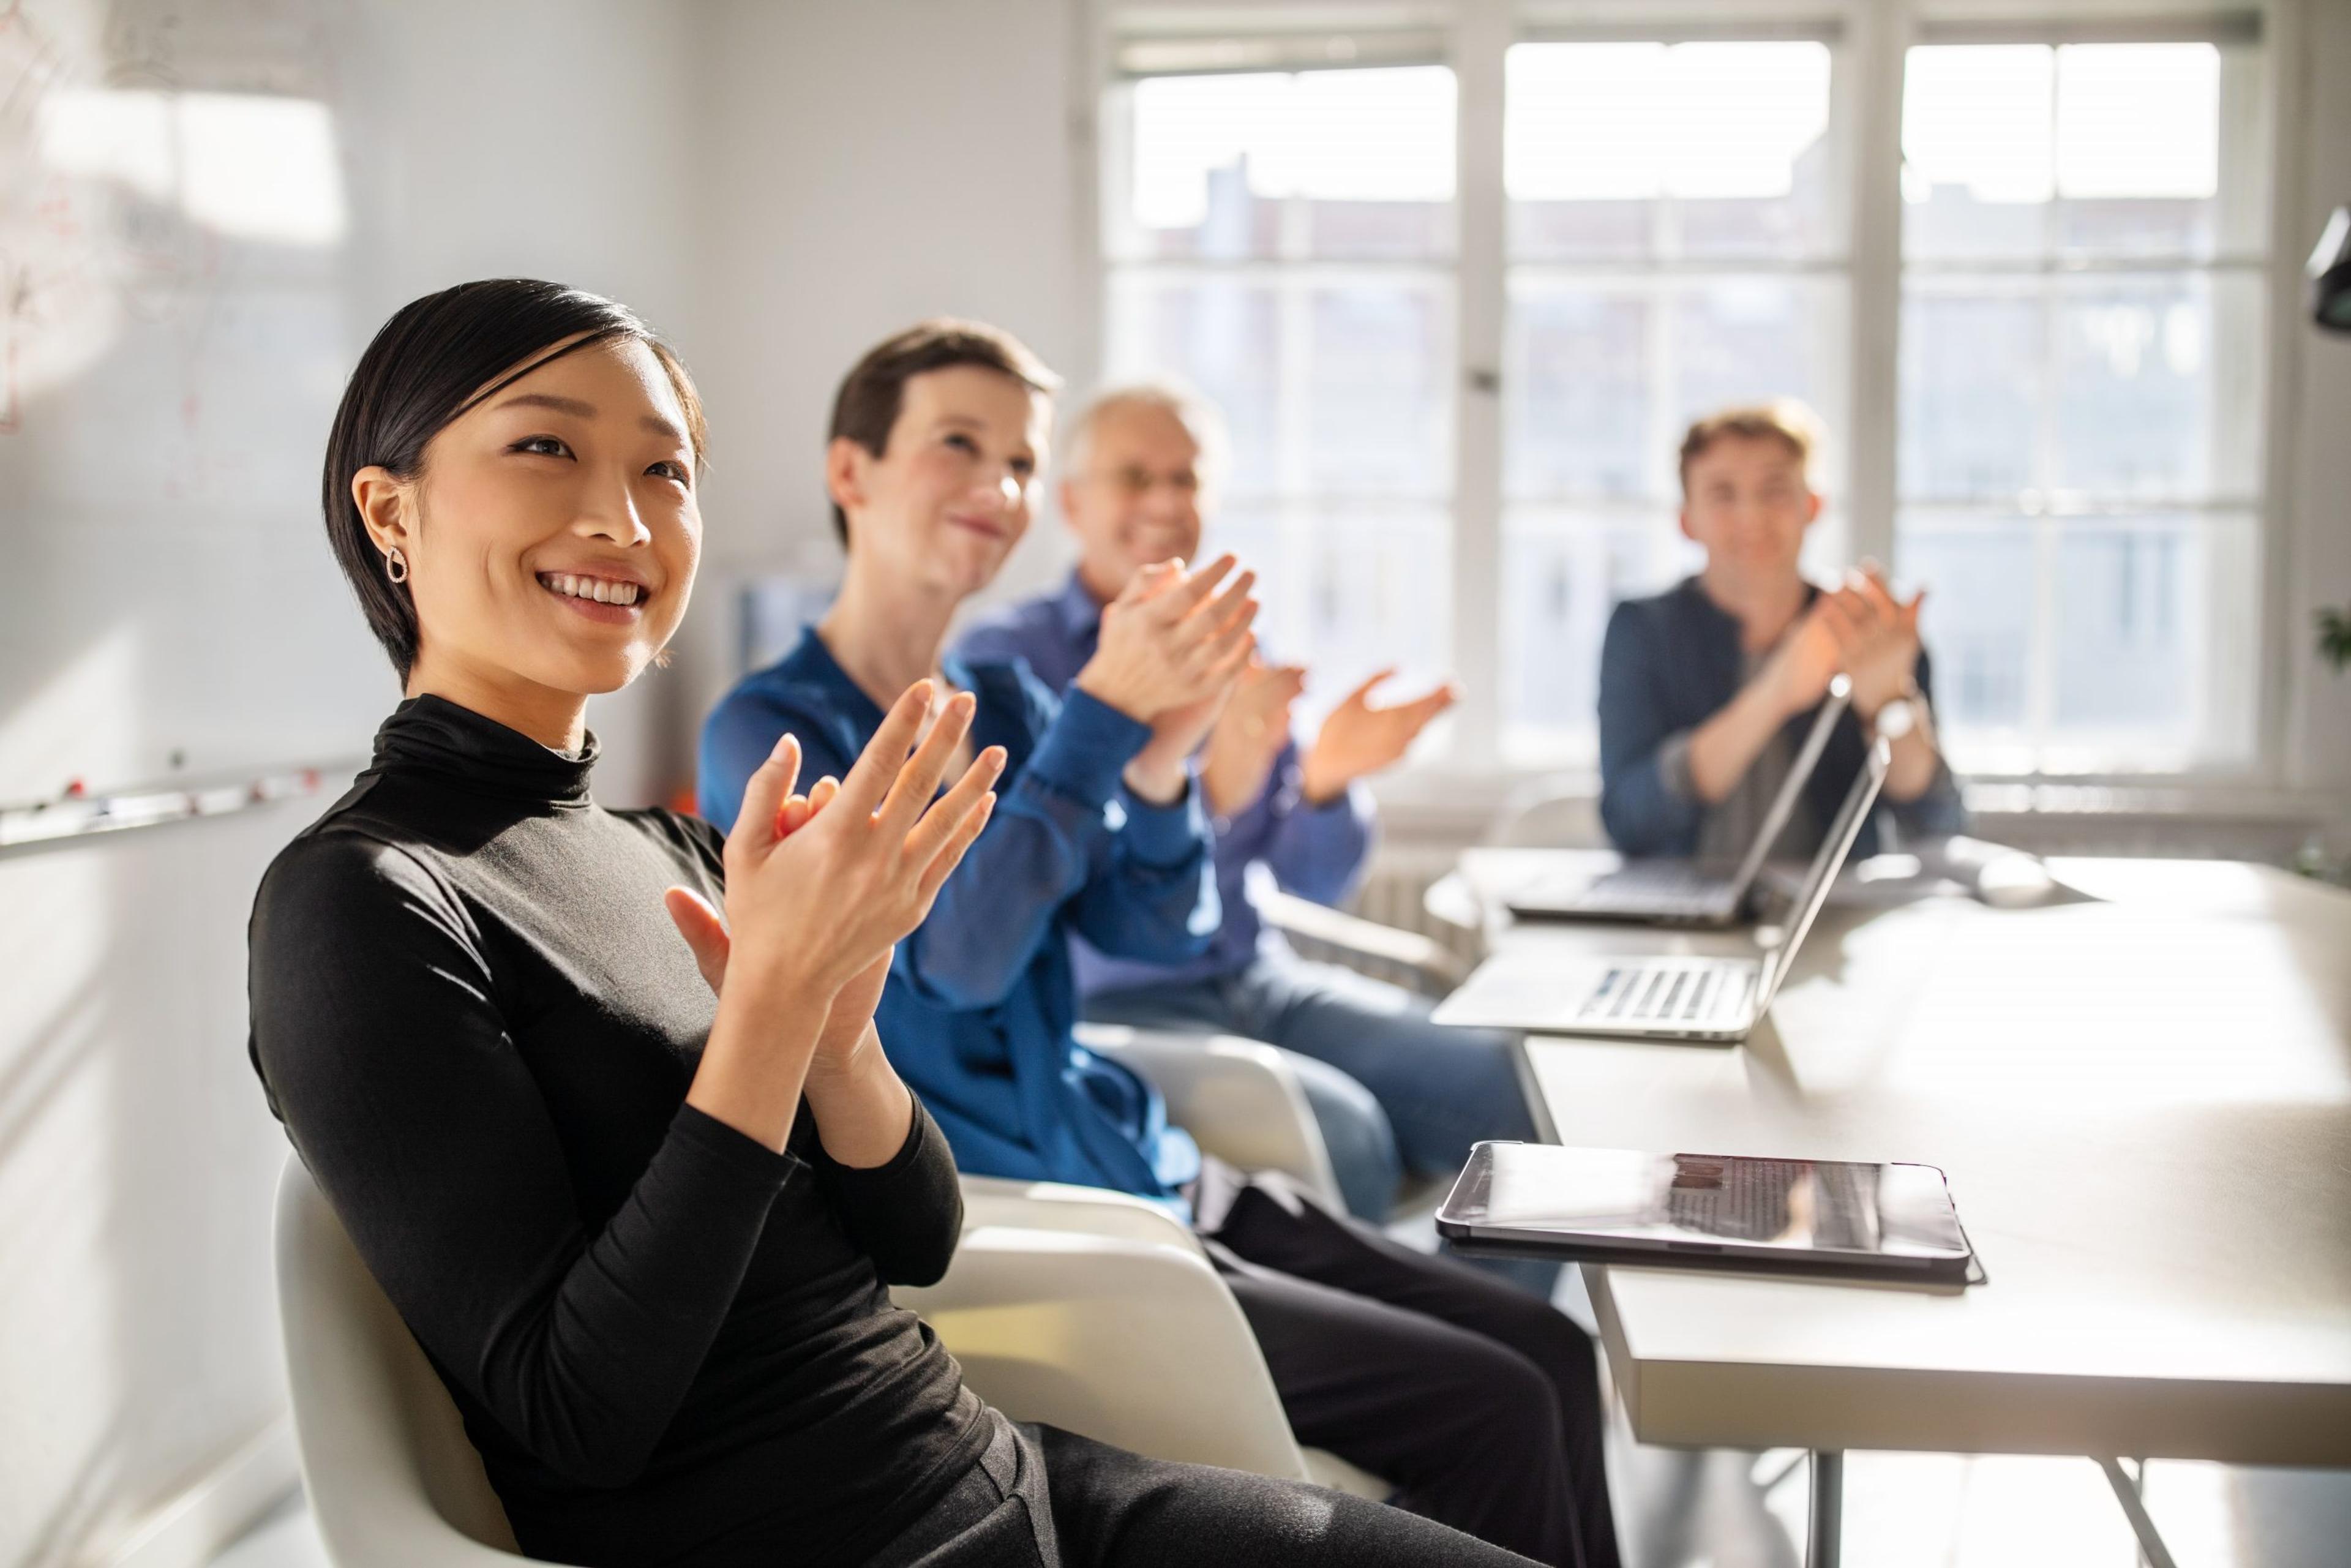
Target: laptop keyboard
pixel 1651 993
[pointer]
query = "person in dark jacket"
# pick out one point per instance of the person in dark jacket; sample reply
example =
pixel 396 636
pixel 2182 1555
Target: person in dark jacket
pixel 1706 690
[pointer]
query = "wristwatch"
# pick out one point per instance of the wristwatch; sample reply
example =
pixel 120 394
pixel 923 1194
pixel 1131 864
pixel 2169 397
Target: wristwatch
pixel 1898 718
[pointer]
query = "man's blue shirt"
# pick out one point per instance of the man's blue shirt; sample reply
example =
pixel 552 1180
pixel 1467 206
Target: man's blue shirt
pixel 980 1004
pixel 1314 851
pixel 1668 663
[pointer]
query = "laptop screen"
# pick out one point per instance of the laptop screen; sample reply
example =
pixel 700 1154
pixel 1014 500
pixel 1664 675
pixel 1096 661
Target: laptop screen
pixel 1783 804
pixel 1825 865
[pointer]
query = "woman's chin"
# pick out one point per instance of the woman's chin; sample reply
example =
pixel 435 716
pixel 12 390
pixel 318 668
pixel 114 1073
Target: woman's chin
pixel 597 673
pixel 957 580
pixel 970 563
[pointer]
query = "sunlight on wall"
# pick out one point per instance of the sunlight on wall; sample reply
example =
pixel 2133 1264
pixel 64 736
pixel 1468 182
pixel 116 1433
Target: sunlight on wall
pixel 83 725
pixel 64 1334
pixel 61 1317
pixel 246 166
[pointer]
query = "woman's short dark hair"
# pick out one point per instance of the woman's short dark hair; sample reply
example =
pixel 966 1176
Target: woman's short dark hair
pixel 435 359
pixel 865 409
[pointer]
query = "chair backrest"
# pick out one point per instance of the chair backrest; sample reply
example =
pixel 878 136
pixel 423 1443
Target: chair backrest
pixel 1554 810
pixel 392 1478
pixel 1096 1312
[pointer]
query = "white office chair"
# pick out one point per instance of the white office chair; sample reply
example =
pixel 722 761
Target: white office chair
pixel 1240 1099
pixel 1119 1329
pixel 1091 1310
pixel 1555 810
pixel 1099 1312
pixel 394 1482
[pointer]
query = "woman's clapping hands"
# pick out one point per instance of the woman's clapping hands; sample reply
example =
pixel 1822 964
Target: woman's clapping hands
pixel 822 886
pixel 819 889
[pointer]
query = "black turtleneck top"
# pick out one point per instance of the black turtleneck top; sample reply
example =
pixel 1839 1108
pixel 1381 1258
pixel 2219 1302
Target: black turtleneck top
pixel 670 1343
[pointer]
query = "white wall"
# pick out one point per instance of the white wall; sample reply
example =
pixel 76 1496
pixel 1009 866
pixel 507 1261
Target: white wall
pixel 863 167
pixel 138 1332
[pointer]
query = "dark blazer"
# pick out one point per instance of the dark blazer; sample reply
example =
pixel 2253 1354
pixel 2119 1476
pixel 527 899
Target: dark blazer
pixel 1670 662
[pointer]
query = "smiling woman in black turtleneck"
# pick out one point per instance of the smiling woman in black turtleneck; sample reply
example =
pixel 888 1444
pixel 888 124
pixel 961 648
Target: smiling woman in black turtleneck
pixel 638 1196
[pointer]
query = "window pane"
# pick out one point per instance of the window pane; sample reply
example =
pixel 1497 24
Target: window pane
pixel 1603 378
pixel 1563 573
pixel 2028 151
pixel 1973 389
pixel 1577 392
pixel 1224 337
pixel 2081 391
pixel 1314 163
pixel 1379 412
pixel 1751 340
pixel 1651 150
pixel 2145 407
pixel 1328 389
pixel 2156 611
pixel 1348 589
pixel 1976 625
pixel 2135 652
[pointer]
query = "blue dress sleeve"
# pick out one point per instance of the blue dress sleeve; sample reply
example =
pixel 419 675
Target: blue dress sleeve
pixel 1136 878
pixel 1314 851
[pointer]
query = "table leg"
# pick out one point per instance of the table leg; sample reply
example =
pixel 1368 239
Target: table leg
pixel 2142 1523
pixel 1824 1533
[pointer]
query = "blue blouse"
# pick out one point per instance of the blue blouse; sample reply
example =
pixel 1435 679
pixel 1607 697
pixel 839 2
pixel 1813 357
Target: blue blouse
pixel 981 1005
pixel 1314 851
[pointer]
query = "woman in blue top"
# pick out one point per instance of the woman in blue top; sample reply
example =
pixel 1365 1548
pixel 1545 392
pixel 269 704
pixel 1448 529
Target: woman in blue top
pixel 1480 1402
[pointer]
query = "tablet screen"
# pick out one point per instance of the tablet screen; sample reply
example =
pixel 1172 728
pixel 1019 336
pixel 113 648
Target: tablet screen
pixel 1626 1197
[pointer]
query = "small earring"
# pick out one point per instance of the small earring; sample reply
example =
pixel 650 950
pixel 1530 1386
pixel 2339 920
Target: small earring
pixel 395 565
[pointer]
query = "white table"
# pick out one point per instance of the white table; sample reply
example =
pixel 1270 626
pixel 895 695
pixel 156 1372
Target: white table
pixel 2144 1106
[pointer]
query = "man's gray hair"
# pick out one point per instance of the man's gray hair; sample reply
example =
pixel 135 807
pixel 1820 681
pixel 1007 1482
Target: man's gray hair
pixel 1202 420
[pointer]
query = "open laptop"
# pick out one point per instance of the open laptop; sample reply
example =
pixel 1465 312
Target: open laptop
pixel 1663 996
pixel 1668 891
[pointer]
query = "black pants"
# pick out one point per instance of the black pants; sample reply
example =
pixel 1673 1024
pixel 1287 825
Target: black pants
pixel 1043 1498
pixel 1479 1402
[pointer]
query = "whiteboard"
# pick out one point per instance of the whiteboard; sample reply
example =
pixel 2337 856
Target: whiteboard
pixel 174 328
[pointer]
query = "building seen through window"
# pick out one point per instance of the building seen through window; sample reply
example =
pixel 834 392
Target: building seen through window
pixel 2076 433
pixel 1284 242
pixel 1676 244
pixel 2079 378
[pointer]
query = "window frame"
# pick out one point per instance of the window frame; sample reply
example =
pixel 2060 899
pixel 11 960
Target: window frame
pixel 1869 44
